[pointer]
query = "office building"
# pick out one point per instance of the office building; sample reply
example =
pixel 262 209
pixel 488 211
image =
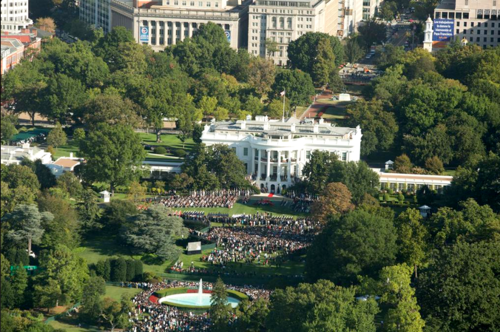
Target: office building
pixel 15 15
pixel 166 22
pixel 478 21
pixel 275 152
pixel 96 13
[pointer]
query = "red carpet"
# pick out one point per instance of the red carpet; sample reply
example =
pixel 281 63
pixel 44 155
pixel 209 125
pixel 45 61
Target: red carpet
pixel 153 299
pixel 270 195
pixel 205 291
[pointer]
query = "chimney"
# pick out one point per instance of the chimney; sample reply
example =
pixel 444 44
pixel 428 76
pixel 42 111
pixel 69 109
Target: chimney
pixel 292 128
pixel 321 121
pixel 71 155
pixel 316 128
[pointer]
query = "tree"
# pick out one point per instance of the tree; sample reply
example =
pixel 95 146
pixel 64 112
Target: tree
pixel 379 127
pixel 358 243
pixel 359 178
pixel 63 227
pixel 89 211
pixel 113 153
pixel 388 10
pixel 46 24
pixel 298 86
pixel 434 165
pixel 403 164
pixel 468 297
pixel 116 313
pixel 271 47
pixel 275 108
pixel 154 231
pixel 197 133
pixel 324 63
pixel 70 184
pixel 261 73
pixel 413 239
pixel 321 306
pixel 43 173
pixel 79 134
pixel 111 109
pixel 228 168
pixel 92 304
pixel 372 32
pixel 18 285
pixel 352 49
pixel 396 292
pixel 220 310
pixel 116 213
pixel 63 275
pixel 57 136
pixel 251 316
pixel 107 47
pixel 221 113
pixel 302 52
pixel 208 105
pixel 335 199
pixel 253 105
pixel 25 224
pixel 137 192
pixel 64 95
pixel 119 269
pixel 318 170
pixel 8 127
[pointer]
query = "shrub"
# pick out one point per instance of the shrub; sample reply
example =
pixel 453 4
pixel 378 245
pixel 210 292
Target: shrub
pixel 387 197
pixel 160 150
pixel 179 153
pixel 390 191
pixel 401 197
pixel 50 149
pixel 119 269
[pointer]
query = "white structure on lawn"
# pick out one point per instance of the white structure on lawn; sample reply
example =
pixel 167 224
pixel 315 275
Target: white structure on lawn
pixel 275 152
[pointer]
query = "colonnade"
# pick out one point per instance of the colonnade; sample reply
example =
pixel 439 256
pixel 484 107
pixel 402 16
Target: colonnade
pixel 284 160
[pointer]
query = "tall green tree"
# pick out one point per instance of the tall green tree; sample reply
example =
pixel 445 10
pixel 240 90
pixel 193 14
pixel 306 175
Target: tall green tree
pixel 25 225
pixel 357 243
pixel 261 73
pixel 154 231
pixel 91 300
pixel 324 63
pixel 396 292
pixel 113 153
pixel 62 277
pixel 321 306
pixel 298 86
pixel 8 128
pixel 63 96
pixel 220 310
pixel 57 136
pixel 468 297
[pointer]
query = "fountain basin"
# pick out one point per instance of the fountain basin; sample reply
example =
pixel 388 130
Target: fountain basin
pixel 194 300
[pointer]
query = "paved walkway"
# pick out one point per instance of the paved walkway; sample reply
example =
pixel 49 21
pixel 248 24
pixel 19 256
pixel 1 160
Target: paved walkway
pixel 316 107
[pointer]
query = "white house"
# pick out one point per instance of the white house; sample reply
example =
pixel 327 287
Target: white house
pixel 275 152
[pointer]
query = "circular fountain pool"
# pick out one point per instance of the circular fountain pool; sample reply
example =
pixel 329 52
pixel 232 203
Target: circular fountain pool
pixel 194 300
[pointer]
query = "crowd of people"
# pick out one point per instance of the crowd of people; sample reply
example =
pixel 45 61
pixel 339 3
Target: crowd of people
pixel 205 199
pixel 262 242
pixel 151 316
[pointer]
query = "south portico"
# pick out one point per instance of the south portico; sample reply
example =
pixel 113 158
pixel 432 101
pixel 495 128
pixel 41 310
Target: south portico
pixel 275 152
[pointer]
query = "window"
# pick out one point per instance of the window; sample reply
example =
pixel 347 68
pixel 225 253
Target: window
pixel 458 24
pixel 245 151
pixel 466 2
pixel 344 156
pixel 200 3
pixel 471 24
pixel 209 4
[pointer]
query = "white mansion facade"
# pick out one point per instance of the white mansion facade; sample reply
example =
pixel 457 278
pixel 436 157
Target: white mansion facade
pixel 275 152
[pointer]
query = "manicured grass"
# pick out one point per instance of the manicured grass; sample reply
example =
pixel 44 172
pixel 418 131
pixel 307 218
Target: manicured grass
pixel 450 172
pixel 66 150
pixel 289 267
pixel 334 113
pixel 249 208
pixel 71 326
pixel 101 248
pixel 116 292
pixel 169 141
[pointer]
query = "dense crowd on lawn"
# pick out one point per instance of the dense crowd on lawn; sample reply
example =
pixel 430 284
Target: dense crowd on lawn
pixel 261 243
pixel 151 316
pixel 204 199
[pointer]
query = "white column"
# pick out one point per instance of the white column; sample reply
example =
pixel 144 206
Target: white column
pixel 182 31
pixel 268 164
pixel 278 176
pixel 259 172
pixel 174 30
pixel 157 30
pixel 252 158
pixel 289 177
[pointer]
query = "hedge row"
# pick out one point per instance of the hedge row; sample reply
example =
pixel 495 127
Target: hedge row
pixel 119 269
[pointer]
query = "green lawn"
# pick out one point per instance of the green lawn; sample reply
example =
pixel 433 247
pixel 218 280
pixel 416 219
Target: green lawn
pixel 168 141
pixel 116 292
pixel 289 267
pixel 65 150
pixel 334 113
pixel 239 208
pixel 70 325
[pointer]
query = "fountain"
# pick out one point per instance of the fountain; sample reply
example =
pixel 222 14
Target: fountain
pixel 195 300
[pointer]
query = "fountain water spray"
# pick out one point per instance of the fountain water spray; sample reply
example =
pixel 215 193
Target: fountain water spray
pixel 200 292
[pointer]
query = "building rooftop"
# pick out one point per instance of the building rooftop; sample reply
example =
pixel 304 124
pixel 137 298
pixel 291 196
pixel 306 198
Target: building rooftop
pixel 446 4
pixel 279 128
pixel 13 153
